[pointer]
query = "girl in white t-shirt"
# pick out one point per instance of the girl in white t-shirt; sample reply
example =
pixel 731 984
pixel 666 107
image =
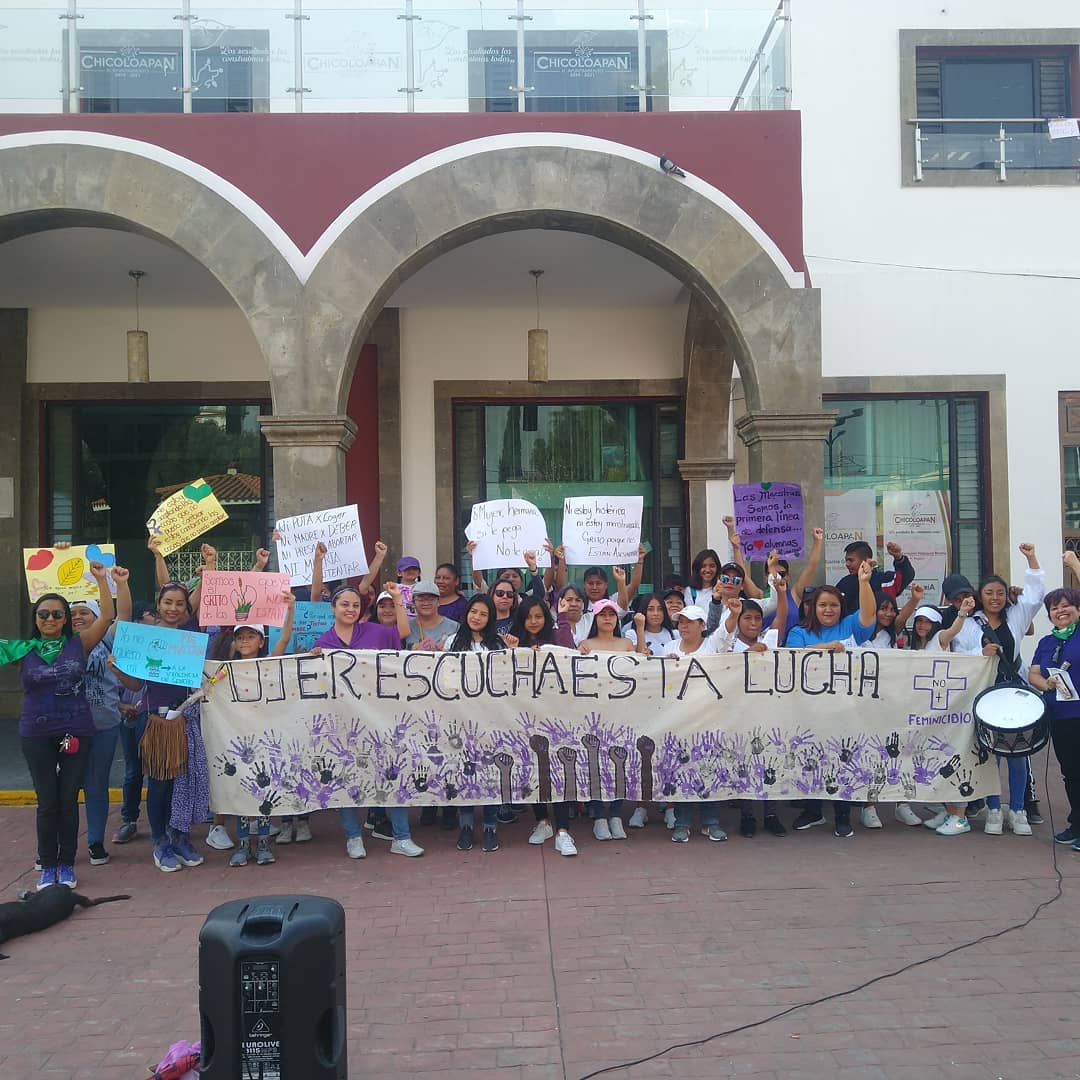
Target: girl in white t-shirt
pixel 659 629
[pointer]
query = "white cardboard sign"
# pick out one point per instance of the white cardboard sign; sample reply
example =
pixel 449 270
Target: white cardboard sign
pixel 504 529
pixel 338 529
pixel 600 530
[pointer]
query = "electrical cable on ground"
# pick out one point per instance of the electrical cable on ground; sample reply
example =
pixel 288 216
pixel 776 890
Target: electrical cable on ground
pixel 1039 908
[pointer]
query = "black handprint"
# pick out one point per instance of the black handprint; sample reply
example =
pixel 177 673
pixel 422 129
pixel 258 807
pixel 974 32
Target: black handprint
pixel 420 780
pixel 831 785
pixel 893 745
pixel 392 773
pixel 982 755
pixel 964 776
pixel 268 805
pixel 757 747
pixel 451 789
pixel 847 750
pixel 669 789
pixel 742 770
pixel 949 767
pixel 469 768
pixel 811 762
pixel 325 768
pixel 908 782
pixel 769 776
pixel 225 766
pixel 683 756
pixel 262 777
pixel 453 736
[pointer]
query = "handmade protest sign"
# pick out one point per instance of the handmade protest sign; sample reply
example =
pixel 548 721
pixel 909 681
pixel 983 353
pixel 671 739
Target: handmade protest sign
pixel 310 622
pixel 293 734
pixel 228 597
pixel 338 529
pixel 850 515
pixel 504 529
pixel 160 654
pixel 185 515
pixel 67 571
pixel 600 530
pixel 769 517
pixel 919 522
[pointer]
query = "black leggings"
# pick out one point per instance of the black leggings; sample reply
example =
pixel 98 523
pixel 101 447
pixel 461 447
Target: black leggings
pixel 57 779
pixel 562 813
pixel 1066 737
pixel 841 809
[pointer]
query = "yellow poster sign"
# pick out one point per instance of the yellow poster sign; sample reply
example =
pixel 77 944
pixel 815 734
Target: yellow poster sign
pixel 66 571
pixel 185 515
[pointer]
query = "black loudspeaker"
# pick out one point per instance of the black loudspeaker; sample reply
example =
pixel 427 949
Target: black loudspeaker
pixel 272 990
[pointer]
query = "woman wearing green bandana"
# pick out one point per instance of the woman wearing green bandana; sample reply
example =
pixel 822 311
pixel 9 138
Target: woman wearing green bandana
pixel 56 725
pixel 1055 671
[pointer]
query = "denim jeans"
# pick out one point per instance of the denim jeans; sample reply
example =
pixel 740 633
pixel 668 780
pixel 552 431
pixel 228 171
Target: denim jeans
pixel 709 813
pixel 130 734
pixel 562 813
pixel 158 807
pixel 489 816
pixel 595 809
pixel 841 809
pixel 96 783
pixel 399 821
pixel 57 778
pixel 1018 779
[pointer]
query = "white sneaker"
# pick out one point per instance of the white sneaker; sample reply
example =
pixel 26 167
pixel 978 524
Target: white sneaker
pixel 937 820
pixel 953 826
pixel 219 839
pixel 286 834
pixel 617 830
pixel 638 819
pixel 869 819
pixel 354 846
pixel 600 829
pixel 564 844
pixel 542 832
pixel 905 815
pixel 1018 822
pixel 301 834
pixel 406 847
pixel 669 818
pixel 994 820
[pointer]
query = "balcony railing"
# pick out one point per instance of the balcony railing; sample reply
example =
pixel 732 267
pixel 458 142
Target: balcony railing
pixel 996 144
pixel 410 55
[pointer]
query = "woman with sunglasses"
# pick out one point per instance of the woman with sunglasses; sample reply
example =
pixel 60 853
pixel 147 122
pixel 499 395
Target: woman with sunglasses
pixel 505 598
pixel 56 724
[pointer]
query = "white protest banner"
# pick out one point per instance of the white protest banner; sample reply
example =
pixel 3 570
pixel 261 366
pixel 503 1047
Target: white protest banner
pixel 299 733
pixel 338 529
pixel 850 515
pixel 1064 127
pixel 919 522
pixel 599 530
pixel 504 529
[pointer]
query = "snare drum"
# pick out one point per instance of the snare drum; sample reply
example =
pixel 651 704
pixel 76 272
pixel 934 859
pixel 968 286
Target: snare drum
pixel 1011 720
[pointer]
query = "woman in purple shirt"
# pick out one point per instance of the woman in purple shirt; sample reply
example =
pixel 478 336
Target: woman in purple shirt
pixel 348 632
pixel 56 726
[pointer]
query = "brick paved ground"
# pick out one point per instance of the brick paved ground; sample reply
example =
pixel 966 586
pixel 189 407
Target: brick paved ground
pixel 525 964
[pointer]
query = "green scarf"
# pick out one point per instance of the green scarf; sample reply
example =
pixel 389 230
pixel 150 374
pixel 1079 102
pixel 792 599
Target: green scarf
pixel 12 649
pixel 1063 633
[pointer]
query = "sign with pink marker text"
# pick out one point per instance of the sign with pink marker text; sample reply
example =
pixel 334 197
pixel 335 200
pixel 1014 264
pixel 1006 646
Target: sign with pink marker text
pixel 229 597
pixel 769 517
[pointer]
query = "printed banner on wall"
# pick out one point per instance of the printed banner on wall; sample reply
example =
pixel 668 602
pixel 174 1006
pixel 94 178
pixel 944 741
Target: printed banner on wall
pixel 919 522
pixel 185 515
pixel 67 571
pixel 850 515
pixel 294 734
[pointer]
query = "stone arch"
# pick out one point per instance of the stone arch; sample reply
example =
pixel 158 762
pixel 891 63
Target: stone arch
pixel 566 182
pixel 51 180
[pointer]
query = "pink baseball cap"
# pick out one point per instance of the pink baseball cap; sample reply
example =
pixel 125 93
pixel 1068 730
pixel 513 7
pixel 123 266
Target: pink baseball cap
pixel 604 605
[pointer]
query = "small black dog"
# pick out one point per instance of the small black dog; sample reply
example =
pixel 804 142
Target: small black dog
pixel 40 910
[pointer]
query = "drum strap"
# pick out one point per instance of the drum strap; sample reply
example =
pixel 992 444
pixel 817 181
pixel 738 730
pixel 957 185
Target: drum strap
pixel 1007 666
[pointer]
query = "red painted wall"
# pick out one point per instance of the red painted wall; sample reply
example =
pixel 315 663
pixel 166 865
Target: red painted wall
pixel 304 170
pixel 362 459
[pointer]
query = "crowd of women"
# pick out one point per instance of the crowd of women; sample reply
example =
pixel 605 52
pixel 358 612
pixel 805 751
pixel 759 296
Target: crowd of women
pixel 78 705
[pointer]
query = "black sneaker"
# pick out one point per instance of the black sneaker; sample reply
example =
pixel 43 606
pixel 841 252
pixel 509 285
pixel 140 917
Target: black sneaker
pixel 429 815
pixel 843 827
pixel 747 825
pixel 98 855
pixel 382 830
pixel 506 815
pixel 491 840
pixel 464 840
pixel 807 819
pixel 449 818
pixel 774 826
pixel 1066 836
pixel 1034 814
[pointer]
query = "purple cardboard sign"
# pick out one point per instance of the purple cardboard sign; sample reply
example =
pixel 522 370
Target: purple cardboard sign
pixel 769 516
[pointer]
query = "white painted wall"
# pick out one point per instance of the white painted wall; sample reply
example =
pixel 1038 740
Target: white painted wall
pixel 868 240
pixel 82 344
pixel 480 343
